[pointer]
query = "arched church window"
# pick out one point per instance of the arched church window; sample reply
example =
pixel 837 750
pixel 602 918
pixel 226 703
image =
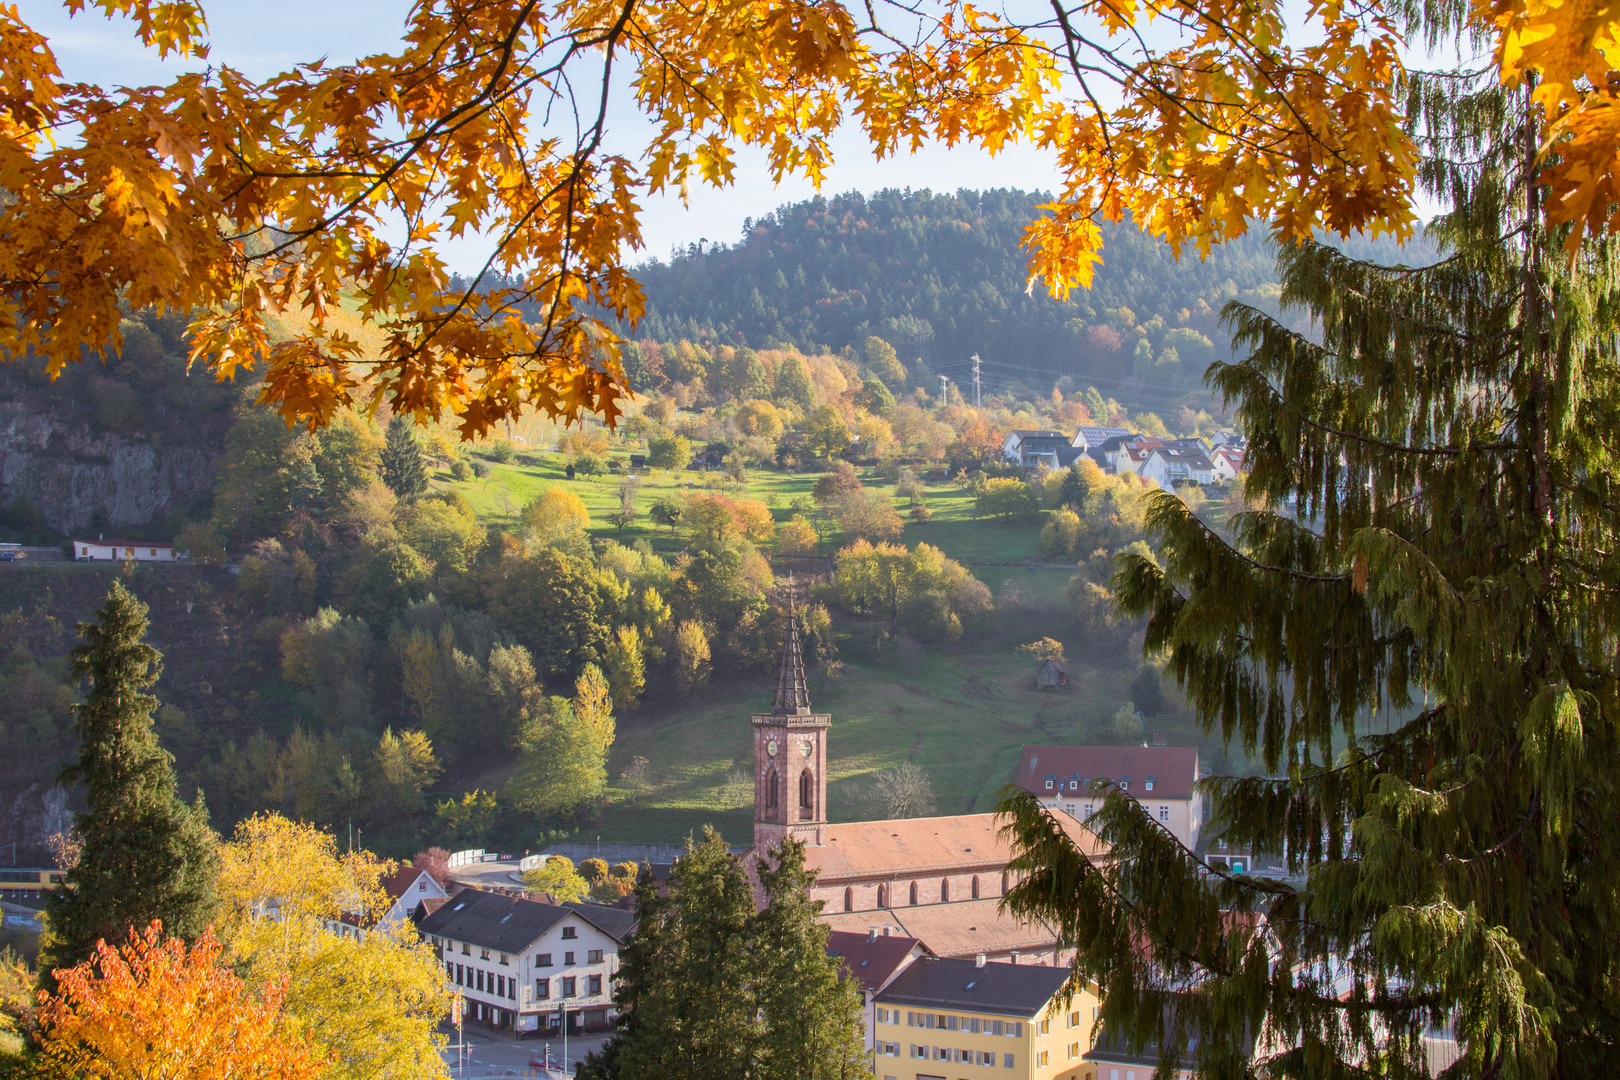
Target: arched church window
pixel 1004 883
pixel 975 886
pixel 807 791
pixel 849 899
pixel 945 890
pixel 913 894
pixel 883 896
pixel 771 784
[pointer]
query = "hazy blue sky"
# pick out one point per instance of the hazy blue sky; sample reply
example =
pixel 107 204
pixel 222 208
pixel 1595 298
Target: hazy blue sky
pixel 261 38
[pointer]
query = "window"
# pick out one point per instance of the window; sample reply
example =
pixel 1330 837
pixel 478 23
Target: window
pixel 1164 813
pixel 594 956
pixel 1069 809
pixel 971 1024
pixel 568 987
pixel 1124 785
pixel 996 1027
pixel 1088 809
pixel 1043 1027
pixel 849 899
pixel 466 950
pixel 568 959
pixel 1042 1059
pixel 504 960
pixel 942 1053
pixel 975 886
pixel 1074 1050
pixel 596 984
pixel 1074 1018
pixel 1149 785
pixel 913 894
pixel 771 786
pixel 1049 785
pixel 542 989
pixel 483 954
pixel 511 989
pixel 951 1023
pixel 987 1057
pixel 500 986
pixel 570 933
pixel 1015 1030
pixel 460 971
pixel 891 1049
pixel 807 791
pixel 945 890
pixel 542 959
pixel 1006 1061
pixel 883 896
pixel 480 986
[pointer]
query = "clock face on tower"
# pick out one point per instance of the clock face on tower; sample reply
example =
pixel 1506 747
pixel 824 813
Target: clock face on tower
pixel 770 747
pixel 807 747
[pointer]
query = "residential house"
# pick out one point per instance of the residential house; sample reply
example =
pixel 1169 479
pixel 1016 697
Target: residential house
pixel 407 888
pixel 707 460
pixel 1160 778
pixel 976 1020
pixel 1033 448
pixel 1169 465
pixel 123 551
pixel 1228 461
pixel 525 966
pixel 875 960
pixel 1129 455
pixel 1092 437
pixel 1103 453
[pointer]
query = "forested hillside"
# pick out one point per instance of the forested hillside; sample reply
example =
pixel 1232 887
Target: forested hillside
pixel 941 277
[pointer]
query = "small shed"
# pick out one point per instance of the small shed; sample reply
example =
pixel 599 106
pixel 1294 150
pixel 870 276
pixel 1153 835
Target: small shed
pixel 638 461
pixel 1051 674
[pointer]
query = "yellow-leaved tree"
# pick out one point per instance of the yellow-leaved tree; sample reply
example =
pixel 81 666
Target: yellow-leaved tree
pixel 251 205
pixel 369 1003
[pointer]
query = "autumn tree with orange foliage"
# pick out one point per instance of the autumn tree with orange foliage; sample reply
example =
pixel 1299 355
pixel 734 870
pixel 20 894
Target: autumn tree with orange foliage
pixel 158 1008
pixel 251 204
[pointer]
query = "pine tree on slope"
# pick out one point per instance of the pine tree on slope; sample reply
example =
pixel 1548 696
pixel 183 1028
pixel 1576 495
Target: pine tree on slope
pixel 403 469
pixel 1417 639
pixel 146 854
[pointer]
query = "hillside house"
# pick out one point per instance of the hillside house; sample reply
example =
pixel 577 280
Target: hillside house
pixel 525 966
pixel 1169 465
pixel 123 551
pixel 1033 448
pixel 1161 778
pixel 1051 674
pixel 407 888
pixel 875 960
pixel 1227 461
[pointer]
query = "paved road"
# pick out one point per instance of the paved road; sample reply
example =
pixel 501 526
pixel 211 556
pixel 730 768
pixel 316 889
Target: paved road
pixel 488 1056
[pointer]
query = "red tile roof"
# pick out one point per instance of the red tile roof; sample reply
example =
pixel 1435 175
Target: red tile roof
pixel 1171 768
pixel 873 960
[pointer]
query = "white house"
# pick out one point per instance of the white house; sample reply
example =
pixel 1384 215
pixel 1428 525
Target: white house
pixel 123 551
pixel 1160 778
pixel 1030 448
pixel 1129 455
pixel 1169 465
pixel 875 960
pixel 524 965
pixel 1228 461
pixel 407 887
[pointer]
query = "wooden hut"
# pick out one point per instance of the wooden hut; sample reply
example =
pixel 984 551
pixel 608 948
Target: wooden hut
pixel 1051 674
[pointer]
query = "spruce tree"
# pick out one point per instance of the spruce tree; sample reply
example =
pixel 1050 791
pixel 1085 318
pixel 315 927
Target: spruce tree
pixel 146 855
pixel 403 469
pixel 812 1025
pixel 1415 636
pixel 685 987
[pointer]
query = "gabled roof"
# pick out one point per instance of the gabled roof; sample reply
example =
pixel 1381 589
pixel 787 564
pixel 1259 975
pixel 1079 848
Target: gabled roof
pixel 403 880
pixel 1193 459
pixel 509 925
pixel 1018 990
pixel 960 928
pixel 1091 436
pixel 921 845
pixel 125 543
pixel 1036 433
pixel 1173 768
pixel 872 960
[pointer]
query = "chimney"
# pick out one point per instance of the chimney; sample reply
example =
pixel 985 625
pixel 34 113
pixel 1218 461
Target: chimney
pixel 885 930
pixel 1014 958
pixel 978 961
pixel 871 933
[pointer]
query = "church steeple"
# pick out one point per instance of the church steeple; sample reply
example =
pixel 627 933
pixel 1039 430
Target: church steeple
pixel 790 754
pixel 792 695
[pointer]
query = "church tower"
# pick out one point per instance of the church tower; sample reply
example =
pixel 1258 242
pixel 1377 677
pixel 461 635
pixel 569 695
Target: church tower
pixel 790 756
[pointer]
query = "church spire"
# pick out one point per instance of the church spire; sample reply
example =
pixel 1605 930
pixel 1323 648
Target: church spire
pixel 792 695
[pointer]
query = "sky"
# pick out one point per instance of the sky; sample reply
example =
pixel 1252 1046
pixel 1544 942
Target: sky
pixel 262 38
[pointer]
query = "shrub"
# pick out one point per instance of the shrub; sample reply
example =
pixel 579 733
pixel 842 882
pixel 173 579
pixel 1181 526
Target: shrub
pixel 502 450
pixel 459 470
pixel 589 465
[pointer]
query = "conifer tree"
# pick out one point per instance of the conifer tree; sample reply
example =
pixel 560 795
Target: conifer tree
pixel 403 469
pixel 1416 636
pixel 146 854
pixel 685 989
pixel 812 1026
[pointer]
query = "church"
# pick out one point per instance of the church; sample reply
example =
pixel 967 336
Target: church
pixel 937 879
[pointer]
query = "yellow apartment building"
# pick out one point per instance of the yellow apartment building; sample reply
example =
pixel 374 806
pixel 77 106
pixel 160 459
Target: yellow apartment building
pixel 970 1020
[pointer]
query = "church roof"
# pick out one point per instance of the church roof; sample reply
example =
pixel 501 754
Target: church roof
pixel 919 846
pixel 792 695
pixel 960 928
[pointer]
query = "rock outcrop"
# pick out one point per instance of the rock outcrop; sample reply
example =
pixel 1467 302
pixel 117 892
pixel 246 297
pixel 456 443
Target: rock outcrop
pixel 69 472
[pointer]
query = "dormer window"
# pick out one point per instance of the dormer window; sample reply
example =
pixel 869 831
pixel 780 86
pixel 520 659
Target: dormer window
pixel 1149 783
pixel 1049 785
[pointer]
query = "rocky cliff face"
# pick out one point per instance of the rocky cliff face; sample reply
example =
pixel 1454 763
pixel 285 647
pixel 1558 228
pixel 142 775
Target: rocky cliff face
pixel 69 472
